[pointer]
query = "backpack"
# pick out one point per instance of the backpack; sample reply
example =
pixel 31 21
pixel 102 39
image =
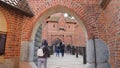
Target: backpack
pixel 40 52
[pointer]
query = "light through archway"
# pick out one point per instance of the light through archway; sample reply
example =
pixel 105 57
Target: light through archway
pixel 46 15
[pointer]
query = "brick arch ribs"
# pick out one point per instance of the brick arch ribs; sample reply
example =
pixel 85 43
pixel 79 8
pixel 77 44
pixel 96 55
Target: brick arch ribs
pixel 45 9
pixel 53 10
pixel 42 11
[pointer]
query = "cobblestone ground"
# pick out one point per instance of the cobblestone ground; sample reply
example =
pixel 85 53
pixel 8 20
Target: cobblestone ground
pixel 68 61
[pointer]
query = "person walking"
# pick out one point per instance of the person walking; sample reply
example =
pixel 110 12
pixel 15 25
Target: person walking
pixel 42 60
pixel 77 50
pixel 57 50
pixel 62 48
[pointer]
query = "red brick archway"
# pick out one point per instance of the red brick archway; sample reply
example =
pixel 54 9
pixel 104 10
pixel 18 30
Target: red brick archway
pixel 84 14
pixel 79 11
pixel 23 28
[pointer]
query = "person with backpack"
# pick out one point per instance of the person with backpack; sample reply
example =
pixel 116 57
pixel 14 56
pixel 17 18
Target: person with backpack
pixel 43 53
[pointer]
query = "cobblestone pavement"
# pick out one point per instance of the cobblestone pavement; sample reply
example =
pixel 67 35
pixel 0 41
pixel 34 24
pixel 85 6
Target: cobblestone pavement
pixel 68 61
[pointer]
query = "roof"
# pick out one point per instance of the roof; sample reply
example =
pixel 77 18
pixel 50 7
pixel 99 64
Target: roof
pixel 19 5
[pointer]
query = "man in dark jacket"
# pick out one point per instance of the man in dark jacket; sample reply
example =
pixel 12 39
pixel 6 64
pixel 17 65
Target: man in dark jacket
pixel 62 48
pixel 43 59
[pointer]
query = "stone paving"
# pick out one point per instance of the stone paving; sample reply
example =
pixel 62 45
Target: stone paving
pixel 25 65
pixel 68 61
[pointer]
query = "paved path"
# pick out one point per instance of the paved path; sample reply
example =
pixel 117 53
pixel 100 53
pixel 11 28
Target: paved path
pixel 25 65
pixel 68 61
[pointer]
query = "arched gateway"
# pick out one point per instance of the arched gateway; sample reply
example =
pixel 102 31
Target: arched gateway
pixel 63 9
pixel 28 30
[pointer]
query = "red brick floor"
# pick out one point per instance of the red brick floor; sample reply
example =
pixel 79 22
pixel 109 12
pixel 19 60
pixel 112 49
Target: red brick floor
pixel 25 65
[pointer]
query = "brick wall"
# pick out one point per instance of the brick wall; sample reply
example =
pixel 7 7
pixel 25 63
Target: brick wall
pixel 72 34
pixel 14 27
pixel 19 27
pixel 112 21
pixel 42 8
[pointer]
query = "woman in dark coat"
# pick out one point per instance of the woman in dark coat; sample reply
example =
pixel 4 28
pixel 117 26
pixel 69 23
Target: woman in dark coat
pixel 43 59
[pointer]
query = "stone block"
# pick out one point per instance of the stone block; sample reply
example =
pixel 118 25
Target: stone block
pixel 102 52
pixel 24 53
pixel 88 65
pixel 31 51
pixel 9 63
pixel 99 65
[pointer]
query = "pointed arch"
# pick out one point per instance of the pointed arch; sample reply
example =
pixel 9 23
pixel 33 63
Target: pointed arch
pixel 51 11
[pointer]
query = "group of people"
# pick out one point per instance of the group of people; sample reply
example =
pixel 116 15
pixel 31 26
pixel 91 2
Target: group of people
pixel 60 49
pixel 42 60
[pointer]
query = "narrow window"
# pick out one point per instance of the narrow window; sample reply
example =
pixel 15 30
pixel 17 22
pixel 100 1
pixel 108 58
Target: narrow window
pixel 54 25
pixel 68 26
